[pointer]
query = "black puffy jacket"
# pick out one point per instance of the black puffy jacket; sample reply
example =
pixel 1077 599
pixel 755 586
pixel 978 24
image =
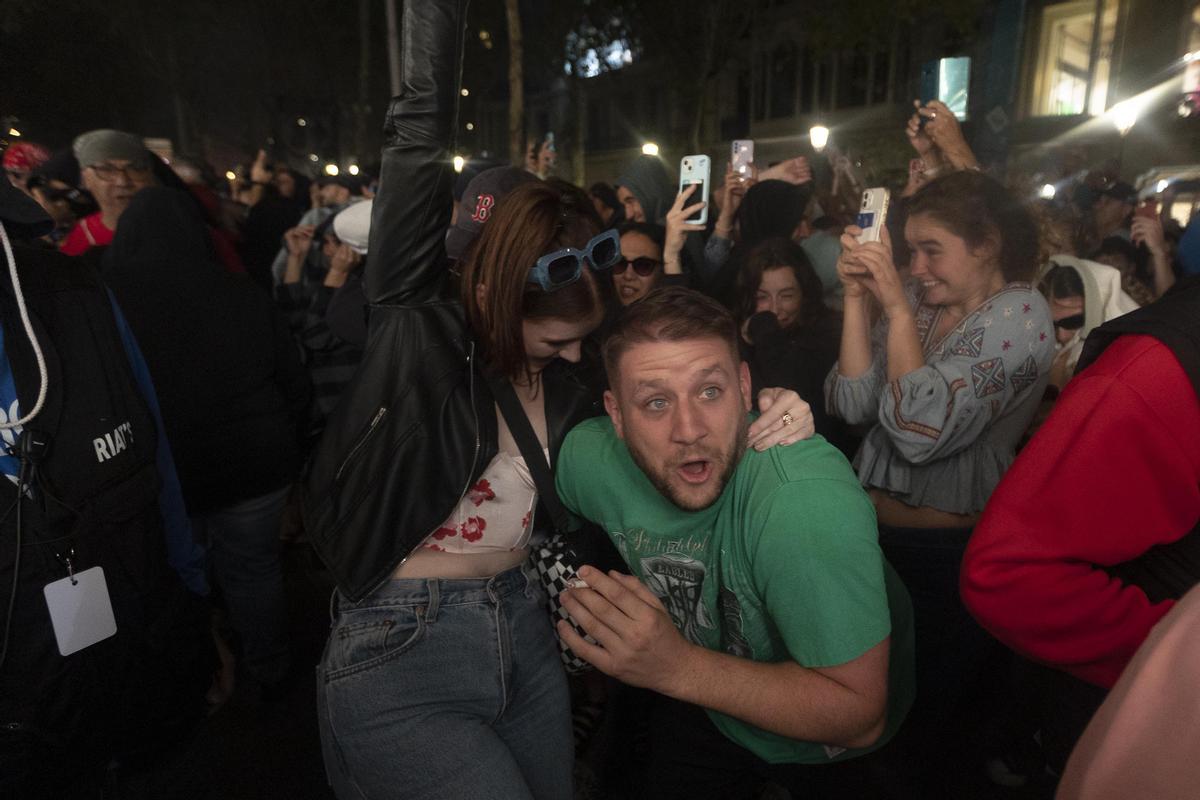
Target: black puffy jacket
pixel 417 426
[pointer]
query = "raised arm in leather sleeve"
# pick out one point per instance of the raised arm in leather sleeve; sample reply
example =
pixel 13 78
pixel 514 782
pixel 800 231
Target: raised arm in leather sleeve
pixel 412 208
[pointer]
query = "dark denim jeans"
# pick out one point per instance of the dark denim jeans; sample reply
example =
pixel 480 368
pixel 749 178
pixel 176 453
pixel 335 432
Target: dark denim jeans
pixel 446 689
pixel 243 551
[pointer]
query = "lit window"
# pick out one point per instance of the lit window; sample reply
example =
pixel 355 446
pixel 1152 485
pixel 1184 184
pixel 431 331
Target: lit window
pixel 1072 74
pixel 1189 105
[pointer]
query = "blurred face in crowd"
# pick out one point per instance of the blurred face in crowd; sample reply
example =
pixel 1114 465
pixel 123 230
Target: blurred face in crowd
pixel 329 245
pixel 546 339
pixel 681 409
pixel 52 197
pixel 334 195
pixel 114 182
pixel 1069 310
pixel 779 292
pixel 1117 261
pixel 950 271
pixel 639 269
pixel 1109 213
pixel 633 206
pixel 602 209
pixel 285 183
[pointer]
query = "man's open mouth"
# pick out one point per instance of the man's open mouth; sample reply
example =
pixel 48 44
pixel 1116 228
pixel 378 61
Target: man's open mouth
pixel 696 472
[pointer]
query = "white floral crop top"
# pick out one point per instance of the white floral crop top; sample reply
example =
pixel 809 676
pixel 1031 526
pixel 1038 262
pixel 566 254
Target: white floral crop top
pixel 496 513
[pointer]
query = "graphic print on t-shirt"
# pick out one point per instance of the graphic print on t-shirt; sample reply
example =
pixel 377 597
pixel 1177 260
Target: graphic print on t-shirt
pixel 678 581
pixel 733 641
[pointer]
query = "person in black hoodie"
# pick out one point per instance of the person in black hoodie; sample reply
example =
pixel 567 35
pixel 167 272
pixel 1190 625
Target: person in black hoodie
pixel 790 337
pixel 233 394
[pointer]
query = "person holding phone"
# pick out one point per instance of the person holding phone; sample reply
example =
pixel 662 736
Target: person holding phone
pixel 949 379
pixel 934 132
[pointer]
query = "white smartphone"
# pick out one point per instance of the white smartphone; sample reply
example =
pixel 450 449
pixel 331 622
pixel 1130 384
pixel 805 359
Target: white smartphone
pixel 695 170
pixel 872 214
pixel 742 156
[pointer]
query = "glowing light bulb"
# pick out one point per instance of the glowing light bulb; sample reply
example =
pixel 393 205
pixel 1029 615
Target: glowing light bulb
pixel 459 163
pixel 1048 191
pixel 650 149
pixel 331 169
pixel 819 136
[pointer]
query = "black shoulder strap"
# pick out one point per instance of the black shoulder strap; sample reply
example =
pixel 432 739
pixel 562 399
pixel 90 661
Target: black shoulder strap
pixel 531 450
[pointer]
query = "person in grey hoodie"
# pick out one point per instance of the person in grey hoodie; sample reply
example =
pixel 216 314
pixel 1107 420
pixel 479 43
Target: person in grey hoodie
pixel 646 189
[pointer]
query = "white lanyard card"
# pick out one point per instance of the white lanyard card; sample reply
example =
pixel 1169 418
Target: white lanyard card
pixel 80 610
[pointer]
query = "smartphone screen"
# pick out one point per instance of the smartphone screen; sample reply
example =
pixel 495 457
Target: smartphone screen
pixel 697 197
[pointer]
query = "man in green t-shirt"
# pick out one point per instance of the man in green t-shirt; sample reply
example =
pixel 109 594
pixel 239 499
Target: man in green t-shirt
pixel 759 591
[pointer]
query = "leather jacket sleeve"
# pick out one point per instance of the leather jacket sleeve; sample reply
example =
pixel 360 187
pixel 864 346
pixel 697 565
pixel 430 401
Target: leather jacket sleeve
pixel 412 208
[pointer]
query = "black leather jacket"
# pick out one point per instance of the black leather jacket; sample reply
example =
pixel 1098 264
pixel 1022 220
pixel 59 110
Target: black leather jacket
pixel 417 426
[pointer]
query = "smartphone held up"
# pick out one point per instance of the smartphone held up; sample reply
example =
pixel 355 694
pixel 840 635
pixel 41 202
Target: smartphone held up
pixel 872 214
pixel 741 157
pixel 694 171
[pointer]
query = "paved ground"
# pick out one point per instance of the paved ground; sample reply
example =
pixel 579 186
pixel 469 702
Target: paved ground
pixel 251 751
pixel 248 750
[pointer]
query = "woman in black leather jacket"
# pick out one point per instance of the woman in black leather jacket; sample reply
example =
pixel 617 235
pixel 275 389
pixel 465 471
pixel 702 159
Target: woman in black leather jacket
pixel 441 677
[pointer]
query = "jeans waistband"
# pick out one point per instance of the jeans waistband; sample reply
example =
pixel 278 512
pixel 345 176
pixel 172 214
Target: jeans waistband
pixel 436 592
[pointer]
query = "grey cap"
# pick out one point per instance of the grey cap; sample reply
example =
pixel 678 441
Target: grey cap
pixel 96 146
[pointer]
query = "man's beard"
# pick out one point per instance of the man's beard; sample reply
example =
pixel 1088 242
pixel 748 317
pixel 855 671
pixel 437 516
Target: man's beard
pixel 725 460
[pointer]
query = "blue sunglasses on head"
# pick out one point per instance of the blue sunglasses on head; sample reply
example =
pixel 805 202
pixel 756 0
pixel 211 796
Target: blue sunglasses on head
pixel 562 267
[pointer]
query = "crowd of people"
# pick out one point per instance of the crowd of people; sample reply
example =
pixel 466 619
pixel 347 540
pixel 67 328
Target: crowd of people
pixel 617 504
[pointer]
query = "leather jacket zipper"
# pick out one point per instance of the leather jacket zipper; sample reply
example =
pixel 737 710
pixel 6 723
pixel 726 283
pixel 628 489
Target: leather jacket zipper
pixel 362 440
pixel 474 458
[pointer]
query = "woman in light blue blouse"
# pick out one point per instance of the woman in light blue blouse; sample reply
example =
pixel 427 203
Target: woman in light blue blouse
pixel 949 378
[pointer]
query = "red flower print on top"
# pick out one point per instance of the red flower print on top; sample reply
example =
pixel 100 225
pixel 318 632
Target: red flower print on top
pixel 480 492
pixel 472 529
pixel 443 532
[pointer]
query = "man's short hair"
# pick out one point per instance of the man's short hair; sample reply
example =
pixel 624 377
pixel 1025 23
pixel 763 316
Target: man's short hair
pixel 669 314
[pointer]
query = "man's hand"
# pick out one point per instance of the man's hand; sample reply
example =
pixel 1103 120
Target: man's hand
pixel 638 643
pixel 1149 231
pixel 345 259
pixel 733 190
pixel 258 170
pixel 794 170
pixel 299 239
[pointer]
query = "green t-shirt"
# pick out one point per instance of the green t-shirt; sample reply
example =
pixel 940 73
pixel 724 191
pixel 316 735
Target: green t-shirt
pixel 784 565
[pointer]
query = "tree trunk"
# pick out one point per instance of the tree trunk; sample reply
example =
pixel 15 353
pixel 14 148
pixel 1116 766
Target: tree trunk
pixel 362 109
pixel 698 109
pixel 579 151
pixel 516 85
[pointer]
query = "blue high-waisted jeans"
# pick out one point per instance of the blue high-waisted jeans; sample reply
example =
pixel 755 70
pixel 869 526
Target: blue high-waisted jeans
pixel 447 689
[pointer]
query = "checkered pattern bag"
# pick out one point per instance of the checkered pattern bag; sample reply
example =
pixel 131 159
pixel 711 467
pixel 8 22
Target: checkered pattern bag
pixel 553 561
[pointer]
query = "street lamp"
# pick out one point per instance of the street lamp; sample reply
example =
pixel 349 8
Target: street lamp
pixel 1124 116
pixel 650 149
pixel 819 136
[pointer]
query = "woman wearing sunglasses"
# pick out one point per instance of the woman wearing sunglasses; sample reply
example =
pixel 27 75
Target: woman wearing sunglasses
pixel 640 267
pixel 1082 295
pixel 441 677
